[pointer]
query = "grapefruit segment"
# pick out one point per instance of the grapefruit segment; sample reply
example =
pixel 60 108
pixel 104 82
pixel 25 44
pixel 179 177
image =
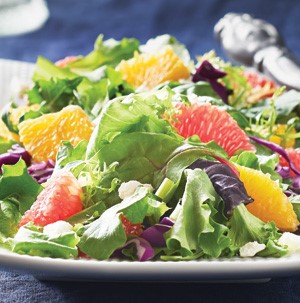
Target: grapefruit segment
pixel 60 200
pixel 210 122
pixel 262 87
pixel 294 155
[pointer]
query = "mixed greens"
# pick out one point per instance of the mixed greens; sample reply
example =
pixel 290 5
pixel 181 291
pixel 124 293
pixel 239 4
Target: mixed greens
pixel 149 193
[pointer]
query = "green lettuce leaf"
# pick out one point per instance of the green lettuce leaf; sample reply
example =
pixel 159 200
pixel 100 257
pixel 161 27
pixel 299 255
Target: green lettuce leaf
pixel 31 241
pixel 200 88
pixel 103 236
pixel 109 52
pixel 245 227
pixel 98 182
pixel 87 214
pixel 264 163
pixel 15 182
pixel 287 103
pixel 18 191
pixel 186 154
pixel 9 217
pixel 196 228
pixel 140 112
pixel 68 153
pixel 286 106
pixel 140 155
pixel 5 145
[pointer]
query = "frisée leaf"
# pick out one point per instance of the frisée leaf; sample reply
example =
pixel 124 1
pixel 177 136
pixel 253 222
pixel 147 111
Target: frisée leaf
pixel 196 229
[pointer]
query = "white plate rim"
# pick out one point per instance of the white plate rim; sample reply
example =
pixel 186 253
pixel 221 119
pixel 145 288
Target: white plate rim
pixel 109 270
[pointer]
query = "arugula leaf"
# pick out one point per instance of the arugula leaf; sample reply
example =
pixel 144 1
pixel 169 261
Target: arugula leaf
pixel 57 93
pixel 15 182
pixel 103 236
pixel 109 52
pixel 91 93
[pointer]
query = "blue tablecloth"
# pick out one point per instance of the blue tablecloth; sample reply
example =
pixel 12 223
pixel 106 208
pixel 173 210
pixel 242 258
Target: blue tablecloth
pixel 71 29
pixel 74 24
pixel 24 288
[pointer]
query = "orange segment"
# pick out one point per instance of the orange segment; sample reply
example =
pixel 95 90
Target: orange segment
pixel 6 134
pixel 15 115
pixel 270 203
pixel 18 112
pixel 149 70
pixel 42 136
pixel 286 141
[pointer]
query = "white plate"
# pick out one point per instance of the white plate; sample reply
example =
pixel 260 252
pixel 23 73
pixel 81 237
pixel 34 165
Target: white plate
pixel 259 269
pixel 12 73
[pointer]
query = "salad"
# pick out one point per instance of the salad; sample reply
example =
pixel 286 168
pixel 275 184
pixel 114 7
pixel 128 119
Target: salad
pixel 140 152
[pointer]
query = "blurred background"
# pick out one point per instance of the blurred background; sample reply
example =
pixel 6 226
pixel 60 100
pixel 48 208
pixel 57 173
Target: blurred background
pixel 73 25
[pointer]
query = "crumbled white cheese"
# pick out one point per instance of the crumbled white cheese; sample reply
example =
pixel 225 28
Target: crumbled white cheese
pixel 292 241
pixel 127 189
pixel 153 46
pixel 57 228
pixel 250 249
pixel 22 234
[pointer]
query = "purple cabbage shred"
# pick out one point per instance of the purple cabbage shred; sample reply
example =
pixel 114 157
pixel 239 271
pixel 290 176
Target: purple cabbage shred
pixel 284 171
pixel 155 234
pixel 151 237
pixel 42 171
pixel 13 155
pixel 207 72
pixel 144 250
pixel 225 182
pixel 277 149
